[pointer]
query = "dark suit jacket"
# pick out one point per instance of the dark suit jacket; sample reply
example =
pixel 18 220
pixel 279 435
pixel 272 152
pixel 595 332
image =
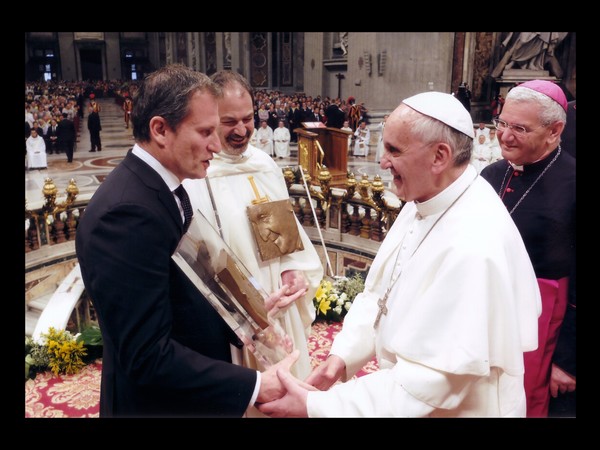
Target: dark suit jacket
pixel 308 115
pixel 294 118
pixel 49 132
pixel 166 350
pixel 65 130
pixel 335 116
pixel 94 122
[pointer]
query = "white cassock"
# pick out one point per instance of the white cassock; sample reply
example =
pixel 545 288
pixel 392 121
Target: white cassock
pixel 264 139
pixel 380 148
pixel 281 138
pixel 361 143
pixel 463 311
pixel 481 156
pixel 232 192
pixel 253 138
pixel 36 152
pixel 495 150
pixel 485 132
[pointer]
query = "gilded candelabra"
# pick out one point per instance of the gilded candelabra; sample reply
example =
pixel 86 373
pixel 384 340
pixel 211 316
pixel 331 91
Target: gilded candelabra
pixel 350 186
pixel 50 190
pixel 50 215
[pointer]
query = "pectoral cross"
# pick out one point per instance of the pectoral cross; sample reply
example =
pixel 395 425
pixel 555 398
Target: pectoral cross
pixel 382 302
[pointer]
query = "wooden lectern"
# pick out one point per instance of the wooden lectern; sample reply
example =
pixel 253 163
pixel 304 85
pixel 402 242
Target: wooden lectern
pixel 334 143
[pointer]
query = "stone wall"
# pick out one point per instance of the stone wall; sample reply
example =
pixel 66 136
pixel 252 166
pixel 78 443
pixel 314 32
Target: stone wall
pixel 112 64
pixel 380 68
pixel 67 56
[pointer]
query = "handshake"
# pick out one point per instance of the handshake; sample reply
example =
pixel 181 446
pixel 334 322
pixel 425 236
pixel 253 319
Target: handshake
pixel 283 395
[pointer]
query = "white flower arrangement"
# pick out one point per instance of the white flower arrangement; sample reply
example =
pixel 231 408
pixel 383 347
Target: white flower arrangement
pixel 333 299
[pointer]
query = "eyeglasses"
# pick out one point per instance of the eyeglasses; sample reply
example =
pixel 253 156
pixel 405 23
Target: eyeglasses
pixel 518 130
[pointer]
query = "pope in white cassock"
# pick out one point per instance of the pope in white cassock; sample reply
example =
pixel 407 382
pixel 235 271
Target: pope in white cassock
pixel 281 138
pixel 264 138
pixel 451 301
pixel 232 193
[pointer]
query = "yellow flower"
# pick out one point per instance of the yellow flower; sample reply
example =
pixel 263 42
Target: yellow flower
pixel 323 290
pixel 324 306
pixel 334 298
pixel 64 352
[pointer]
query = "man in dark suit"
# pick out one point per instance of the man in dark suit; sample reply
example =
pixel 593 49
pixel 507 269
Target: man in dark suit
pixel 294 119
pixel 66 133
pixel 79 100
pixel 52 137
pixel 335 116
pixel 95 127
pixel 308 114
pixel 167 352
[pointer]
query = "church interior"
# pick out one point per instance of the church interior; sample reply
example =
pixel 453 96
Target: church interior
pixel 346 205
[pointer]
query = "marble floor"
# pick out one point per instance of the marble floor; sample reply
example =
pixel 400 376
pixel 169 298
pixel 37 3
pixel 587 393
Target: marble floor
pixel 89 169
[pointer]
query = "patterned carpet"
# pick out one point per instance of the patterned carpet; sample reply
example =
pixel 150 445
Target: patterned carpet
pixel 65 396
pixel 79 395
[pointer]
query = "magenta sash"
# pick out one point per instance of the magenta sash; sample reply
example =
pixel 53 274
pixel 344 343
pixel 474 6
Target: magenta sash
pixel 538 363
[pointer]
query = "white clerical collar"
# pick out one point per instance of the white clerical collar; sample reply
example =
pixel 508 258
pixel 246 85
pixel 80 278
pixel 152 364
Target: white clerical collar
pixel 444 199
pixel 168 177
pixel 521 168
pixel 516 167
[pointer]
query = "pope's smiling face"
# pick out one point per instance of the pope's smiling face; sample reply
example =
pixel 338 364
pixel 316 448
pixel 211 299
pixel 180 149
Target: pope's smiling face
pixel 408 159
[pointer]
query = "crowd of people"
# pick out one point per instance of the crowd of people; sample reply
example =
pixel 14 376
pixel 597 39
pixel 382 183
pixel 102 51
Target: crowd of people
pixel 55 111
pixel 275 106
pixel 48 101
pixel 275 111
pixel 52 115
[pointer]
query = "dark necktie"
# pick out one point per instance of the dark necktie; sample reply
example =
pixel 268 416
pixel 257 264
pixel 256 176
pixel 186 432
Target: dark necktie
pixel 185 205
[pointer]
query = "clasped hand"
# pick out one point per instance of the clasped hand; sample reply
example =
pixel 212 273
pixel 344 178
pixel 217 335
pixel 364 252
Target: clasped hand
pixel 277 380
pixel 561 381
pixel 294 287
pixel 294 402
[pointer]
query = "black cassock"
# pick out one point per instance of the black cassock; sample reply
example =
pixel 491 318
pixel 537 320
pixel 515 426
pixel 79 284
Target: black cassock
pixel 546 215
pixel 546 219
